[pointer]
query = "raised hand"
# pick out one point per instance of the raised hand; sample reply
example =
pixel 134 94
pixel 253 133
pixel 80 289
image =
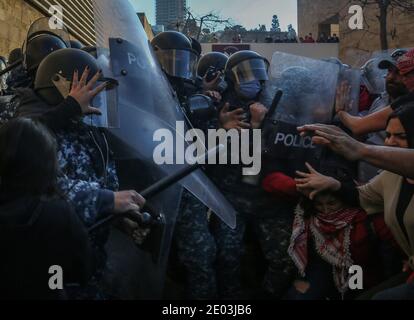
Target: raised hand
pixel 313 183
pixel 334 138
pixel 83 92
pixel 233 119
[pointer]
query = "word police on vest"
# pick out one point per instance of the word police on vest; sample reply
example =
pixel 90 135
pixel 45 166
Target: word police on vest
pixel 294 140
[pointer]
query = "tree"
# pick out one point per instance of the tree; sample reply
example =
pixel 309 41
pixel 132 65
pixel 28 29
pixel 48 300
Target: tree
pixel 209 21
pixel 236 28
pixel 275 24
pixel 383 7
pixel 262 28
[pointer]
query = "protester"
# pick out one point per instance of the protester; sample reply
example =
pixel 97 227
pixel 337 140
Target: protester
pixel 400 81
pixel 38 228
pixel 388 192
pixel 329 237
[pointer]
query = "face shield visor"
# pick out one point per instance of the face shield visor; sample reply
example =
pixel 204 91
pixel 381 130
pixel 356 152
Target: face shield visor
pixel 251 70
pixel 373 77
pixel 178 63
pixel 43 26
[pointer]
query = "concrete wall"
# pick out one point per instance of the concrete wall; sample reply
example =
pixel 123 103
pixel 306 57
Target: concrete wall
pixel 357 45
pixel 313 12
pixel 316 51
pixel 15 18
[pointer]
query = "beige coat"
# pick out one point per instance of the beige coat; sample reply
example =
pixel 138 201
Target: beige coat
pixel 381 195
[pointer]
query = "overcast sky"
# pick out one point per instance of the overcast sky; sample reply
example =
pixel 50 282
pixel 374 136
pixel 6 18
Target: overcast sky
pixel 249 13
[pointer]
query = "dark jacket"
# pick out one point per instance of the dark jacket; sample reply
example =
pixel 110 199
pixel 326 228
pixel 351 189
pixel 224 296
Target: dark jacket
pixel 36 234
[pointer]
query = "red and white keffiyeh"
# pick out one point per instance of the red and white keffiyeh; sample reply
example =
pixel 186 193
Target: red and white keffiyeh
pixel 331 234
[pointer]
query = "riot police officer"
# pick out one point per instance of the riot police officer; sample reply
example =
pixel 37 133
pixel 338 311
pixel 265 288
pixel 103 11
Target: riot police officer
pixel 243 107
pixel 196 245
pixel 40 42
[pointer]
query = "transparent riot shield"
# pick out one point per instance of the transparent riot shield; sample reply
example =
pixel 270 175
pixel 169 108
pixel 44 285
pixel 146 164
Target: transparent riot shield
pixel 372 76
pixel 349 85
pixel 3 78
pixel 309 90
pixel 149 115
pixel 44 26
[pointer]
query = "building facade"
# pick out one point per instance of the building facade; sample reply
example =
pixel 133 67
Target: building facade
pixel 356 46
pixel 16 16
pixel 170 13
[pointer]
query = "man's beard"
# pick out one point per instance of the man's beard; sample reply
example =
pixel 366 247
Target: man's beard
pixel 396 90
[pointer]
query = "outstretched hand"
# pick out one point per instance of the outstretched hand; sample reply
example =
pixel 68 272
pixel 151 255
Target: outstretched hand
pixel 83 92
pixel 343 101
pixel 335 138
pixel 313 183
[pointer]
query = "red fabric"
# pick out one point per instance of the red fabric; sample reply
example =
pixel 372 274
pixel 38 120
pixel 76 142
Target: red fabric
pixel 406 62
pixel 411 278
pixel 365 99
pixel 281 186
pixel 361 250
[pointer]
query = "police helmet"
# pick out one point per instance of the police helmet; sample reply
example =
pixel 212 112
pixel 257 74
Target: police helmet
pixel 39 47
pixel 76 44
pixel 175 54
pixel 55 73
pixel 216 60
pixel 245 66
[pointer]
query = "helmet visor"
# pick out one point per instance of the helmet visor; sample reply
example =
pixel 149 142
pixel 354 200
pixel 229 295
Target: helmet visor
pixel 251 70
pixel 46 26
pixel 373 77
pixel 178 63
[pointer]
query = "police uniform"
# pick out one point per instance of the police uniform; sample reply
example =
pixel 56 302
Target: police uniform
pixel 271 220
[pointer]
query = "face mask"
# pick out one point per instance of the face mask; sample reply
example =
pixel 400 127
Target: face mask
pixel 249 90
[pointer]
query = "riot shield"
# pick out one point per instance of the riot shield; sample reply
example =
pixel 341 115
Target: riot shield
pixel 309 90
pixel 44 26
pixel 349 84
pixel 146 105
pixel 350 81
pixel 3 78
pixel 373 77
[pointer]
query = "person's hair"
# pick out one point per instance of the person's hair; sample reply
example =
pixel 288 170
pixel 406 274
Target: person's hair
pixel 308 205
pixel 28 161
pixel 406 117
pixel 343 175
pixel 393 115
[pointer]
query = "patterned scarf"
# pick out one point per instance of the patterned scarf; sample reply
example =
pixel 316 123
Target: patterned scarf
pixel 331 233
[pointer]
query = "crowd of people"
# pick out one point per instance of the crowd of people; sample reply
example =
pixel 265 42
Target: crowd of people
pixel 58 178
pixel 323 38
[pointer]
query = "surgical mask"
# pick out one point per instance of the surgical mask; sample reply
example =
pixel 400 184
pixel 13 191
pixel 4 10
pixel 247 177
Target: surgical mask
pixel 249 90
